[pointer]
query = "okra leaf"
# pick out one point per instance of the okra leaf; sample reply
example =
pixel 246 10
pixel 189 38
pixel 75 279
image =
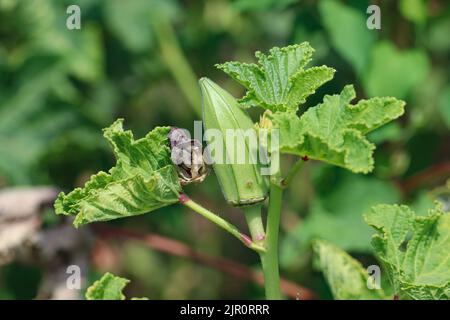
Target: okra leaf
pixel 144 179
pixel 109 287
pixel 346 277
pixel 414 249
pixel 334 131
pixel 280 82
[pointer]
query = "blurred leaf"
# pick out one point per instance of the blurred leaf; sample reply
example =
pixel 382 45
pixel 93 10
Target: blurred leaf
pixel 388 70
pixel 28 126
pixel 280 82
pixel 348 31
pixel 252 5
pixel 334 131
pixel 414 10
pixel 318 40
pixel 437 38
pixel 336 216
pixel 85 58
pixel 444 106
pixel 139 262
pixel 346 276
pixel 102 104
pixel 41 31
pixel 144 179
pixel 422 270
pixel 130 22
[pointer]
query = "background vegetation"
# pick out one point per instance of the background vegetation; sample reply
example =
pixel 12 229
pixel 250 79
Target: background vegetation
pixel 140 60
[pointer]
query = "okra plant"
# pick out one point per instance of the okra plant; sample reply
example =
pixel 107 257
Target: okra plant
pixel 150 172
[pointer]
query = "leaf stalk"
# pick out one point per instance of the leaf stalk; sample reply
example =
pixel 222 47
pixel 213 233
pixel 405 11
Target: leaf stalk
pixel 227 226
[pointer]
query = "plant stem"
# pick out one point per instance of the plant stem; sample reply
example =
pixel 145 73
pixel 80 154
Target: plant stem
pixel 269 259
pixel 177 63
pixel 255 224
pixel 292 172
pixel 185 200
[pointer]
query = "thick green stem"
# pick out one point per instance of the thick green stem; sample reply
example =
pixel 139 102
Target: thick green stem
pixel 221 223
pixel 255 224
pixel 269 259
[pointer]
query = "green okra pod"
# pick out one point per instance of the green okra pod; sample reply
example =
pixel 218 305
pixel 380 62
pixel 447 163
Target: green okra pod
pixel 235 156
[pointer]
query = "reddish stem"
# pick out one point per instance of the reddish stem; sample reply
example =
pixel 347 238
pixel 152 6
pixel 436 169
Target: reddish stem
pixel 434 172
pixel 177 248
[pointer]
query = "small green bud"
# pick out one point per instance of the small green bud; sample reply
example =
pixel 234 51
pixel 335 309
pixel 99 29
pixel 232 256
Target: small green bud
pixel 241 181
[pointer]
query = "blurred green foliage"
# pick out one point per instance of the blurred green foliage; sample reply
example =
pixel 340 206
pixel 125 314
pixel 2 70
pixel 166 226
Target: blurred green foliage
pixel 140 59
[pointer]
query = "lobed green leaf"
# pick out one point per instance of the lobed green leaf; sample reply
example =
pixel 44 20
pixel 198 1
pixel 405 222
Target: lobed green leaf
pixel 109 287
pixel 334 131
pixel 279 82
pixel 414 249
pixel 144 179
